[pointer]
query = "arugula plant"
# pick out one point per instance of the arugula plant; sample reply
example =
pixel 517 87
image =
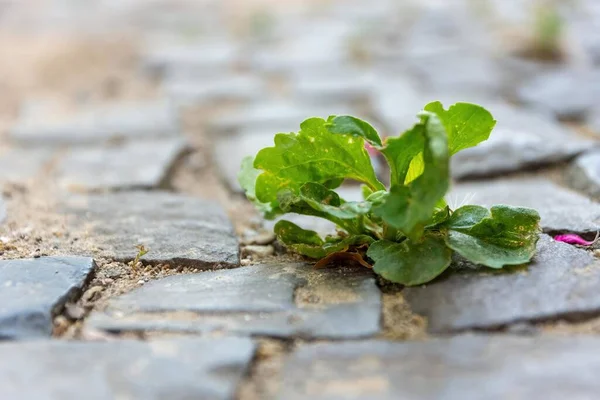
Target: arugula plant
pixel 406 232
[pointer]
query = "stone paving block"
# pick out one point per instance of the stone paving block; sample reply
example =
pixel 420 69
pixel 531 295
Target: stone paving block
pixel 554 92
pixel 177 229
pixel 284 300
pixel 20 165
pixel 341 86
pixel 230 88
pixel 561 281
pixel 584 174
pixel 132 165
pixel 182 369
pixel 521 139
pixel 561 209
pixel 34 290
pixel 138 121
pixel 464 367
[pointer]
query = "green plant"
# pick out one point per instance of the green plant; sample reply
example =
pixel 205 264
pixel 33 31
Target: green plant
pixel 142 251
pixel 407 231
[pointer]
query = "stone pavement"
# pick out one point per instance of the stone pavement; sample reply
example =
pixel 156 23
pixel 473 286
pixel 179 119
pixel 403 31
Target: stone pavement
pixel 216 309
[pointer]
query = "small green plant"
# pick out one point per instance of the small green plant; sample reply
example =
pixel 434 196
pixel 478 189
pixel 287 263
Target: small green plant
pixel 142 251
pixel 407 231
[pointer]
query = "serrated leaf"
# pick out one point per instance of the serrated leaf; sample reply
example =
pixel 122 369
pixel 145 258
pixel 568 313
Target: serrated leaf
pixel 467 124
pixel 312 155
pixel 504 235
pixel 310 244
pixel 247 180
pixel 409 208
pixel 410 263
pixel 348 125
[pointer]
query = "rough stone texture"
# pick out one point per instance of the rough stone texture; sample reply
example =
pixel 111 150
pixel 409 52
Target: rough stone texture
pixel 128 120
pixel 560 209
pixel 141 165
pixel 177 229
pixel 553 92
pixel 520 139
pixel 230 88
pixel 19 165
pixel 177 369
pixel 464 367
pixel 584 174
pixel 275 300
pixel 34 290
pixel 561 281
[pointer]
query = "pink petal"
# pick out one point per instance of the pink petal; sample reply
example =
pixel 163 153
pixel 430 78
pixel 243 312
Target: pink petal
pixel 572 238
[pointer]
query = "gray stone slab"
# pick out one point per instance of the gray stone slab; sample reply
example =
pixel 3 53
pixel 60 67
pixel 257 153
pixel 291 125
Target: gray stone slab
pixel 561 281
pixel 142 120
pixel 521 139
pixel 20 165
pixel 285 300
pixel 176 369
pixel 560 209
pixel 177 229
pixel 131 165
pixel 339 87
pixel 568 94
pixel 34 290
pixel 203 92
pixel 584 174
pixel 464 367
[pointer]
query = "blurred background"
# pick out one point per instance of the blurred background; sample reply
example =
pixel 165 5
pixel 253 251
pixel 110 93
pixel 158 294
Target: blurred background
pixel 117 94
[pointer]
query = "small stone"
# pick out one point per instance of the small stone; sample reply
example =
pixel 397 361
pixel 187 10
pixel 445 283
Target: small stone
pixel 447 368
pixel 38 289
pixel 561 210
pixel 262 238
pixel 134 165
pixel 254 300
pixel 560 281
pixel 257 252
pixel 74 311
pixel 585 174
pixel 200 368
pixel 177 229
pixel 92 294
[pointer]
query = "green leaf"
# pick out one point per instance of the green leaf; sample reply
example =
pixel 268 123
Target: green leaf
pixel 312 155
pixel 310 244
pixel 409 208
pixel 400 151
pixel 467 124
pixel 504 235
pixel 348 125
pixel 247 179
pixel 410 263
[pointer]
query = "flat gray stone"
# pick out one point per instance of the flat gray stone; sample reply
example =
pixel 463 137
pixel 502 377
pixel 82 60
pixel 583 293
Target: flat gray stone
pixel 561 281
pixel 285 300
pixel 177 229
pixel 21 165
pixel 584 174
pixel 338 87
pixel 132 165
pixel 568 94
pixel 464 367
pixel 35 290
pixel 521 139
pixel 560 209
pixel 181 369
pixel 228 88
pixel 137 121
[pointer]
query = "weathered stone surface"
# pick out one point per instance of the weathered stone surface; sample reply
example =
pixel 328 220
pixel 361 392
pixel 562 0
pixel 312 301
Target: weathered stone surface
pixel 18 165
pixel 463 367
pixel 274 300
pixel 140 165
pixel 34 290
pixel 584 174
pixel 561 209
pixel 175 369
pixel 234 88
pixel 554 92
pixel 519 140
pixel 177 229
pixel 128 120
pixel 561 281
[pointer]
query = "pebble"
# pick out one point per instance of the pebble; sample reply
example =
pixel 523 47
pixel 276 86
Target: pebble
pixel 257 252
